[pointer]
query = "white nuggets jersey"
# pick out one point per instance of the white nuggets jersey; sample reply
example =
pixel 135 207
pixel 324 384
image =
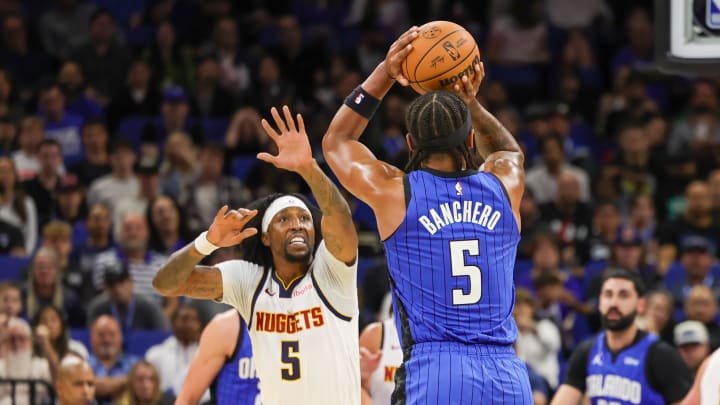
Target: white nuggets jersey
pixel 304 335
pixel 710 383
pixel 382 380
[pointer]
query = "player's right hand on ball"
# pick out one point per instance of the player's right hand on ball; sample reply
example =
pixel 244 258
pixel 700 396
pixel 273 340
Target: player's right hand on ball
pixel 398 52
pixel 467 88
pixel 228 227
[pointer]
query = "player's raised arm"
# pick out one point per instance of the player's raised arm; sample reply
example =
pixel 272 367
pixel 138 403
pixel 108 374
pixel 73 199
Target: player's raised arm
pixel 495 144
pixel 181 275
pixel 295 154
pixel 354 164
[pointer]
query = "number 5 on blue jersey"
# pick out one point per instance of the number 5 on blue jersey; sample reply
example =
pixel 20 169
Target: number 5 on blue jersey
pixel 459 268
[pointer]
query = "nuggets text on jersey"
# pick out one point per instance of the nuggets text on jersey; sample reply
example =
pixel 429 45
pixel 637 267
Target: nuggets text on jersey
pixel 289 323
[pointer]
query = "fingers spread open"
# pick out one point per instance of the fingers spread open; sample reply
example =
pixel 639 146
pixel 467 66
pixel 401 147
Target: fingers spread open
pixel 269 130
pixel 278 120
pixel 289 119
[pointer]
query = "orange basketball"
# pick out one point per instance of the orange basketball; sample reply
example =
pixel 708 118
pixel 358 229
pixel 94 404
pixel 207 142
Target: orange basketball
pixel 442 54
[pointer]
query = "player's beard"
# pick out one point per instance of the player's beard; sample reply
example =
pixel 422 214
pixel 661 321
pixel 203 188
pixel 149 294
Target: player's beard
pixel 19 363
pixel 620 324
pixel 298 258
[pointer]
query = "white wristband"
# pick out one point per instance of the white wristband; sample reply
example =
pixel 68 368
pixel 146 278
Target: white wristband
pixel 203 245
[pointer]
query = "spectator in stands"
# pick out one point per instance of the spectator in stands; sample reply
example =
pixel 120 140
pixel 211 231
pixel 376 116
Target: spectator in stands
pixel 16 208
pixel 132 311
pixel 272 88
pixel 147 171
pixel 79 99
pixel 179 167
pixel 53 334
pixel 642 220
pixel 696 261
pixel 628 253
pixel 167 229
pixel 98 240
pixel 75 382
pixel 701 305
pixel 569 219
pixel 69 197
pixel 45 287
pixel 543 178
pixel 697 140
pixel 202 198
pixel 22 62
pixel 121 182
pixel 8 133
pixel 57 236
pixel 245 136
pixel 538 341
pixel 171 66
pixel 692 341
pixel 42 187
pixel 26 158
pixel 60 125
pixel 225 48
pixel 11 304
pixel 103 59
pixel 209 99
pixel 605 226
pixel 639 52
pixel 95 147
pixel 714 183
pixel 65 27
pixel 20 363
pixel 11 240
pixel 172 357
pixel 174 116
pixel 110 365
pixel 697 220
pixel 143 387
pixel 657 316
pixel 136 98
pixel 133 252
pixel 8 109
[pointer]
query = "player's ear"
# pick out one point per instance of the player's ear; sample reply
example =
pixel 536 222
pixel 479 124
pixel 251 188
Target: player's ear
pixel 265 238
pixel 409 142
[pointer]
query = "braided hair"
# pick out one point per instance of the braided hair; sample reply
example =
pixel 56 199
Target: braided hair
pixel 432 116
pixel 252 248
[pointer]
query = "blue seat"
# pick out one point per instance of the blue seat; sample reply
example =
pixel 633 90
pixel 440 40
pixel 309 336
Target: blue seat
pixel 81 335
pixel 11 267
pixel 214 129
pixel 131 128
pixel 138 342
pixel 240 166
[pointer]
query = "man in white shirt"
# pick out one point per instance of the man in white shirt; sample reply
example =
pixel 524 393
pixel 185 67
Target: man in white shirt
pixel 172 357
pixel 20 363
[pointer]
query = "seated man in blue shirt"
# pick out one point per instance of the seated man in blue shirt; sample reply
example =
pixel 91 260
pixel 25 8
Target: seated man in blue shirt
pixel 107 360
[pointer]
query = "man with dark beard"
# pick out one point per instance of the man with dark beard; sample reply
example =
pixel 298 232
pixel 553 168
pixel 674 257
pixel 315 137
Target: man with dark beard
pixel 624 365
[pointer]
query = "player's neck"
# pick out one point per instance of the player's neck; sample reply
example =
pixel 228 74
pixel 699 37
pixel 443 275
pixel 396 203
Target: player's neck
pixel 618 340
pixel 289 272
pixel 440 161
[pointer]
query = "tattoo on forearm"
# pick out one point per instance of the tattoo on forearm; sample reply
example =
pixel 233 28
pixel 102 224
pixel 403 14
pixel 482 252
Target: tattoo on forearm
pixel 177 269
pixel 490 135
pixel 328 196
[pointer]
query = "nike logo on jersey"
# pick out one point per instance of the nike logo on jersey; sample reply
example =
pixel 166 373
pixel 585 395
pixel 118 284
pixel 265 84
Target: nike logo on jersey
pixel 289 323
pixel 269 292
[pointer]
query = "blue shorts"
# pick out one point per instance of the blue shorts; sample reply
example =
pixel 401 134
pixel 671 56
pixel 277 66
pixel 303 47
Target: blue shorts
pixel 457 374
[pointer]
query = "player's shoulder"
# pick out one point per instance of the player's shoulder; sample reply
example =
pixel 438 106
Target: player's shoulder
pixel 372 336
pixel 223 329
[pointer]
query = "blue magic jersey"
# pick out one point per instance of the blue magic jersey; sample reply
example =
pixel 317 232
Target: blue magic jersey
pixel 451 260
pixel 237 382
pixel 620 380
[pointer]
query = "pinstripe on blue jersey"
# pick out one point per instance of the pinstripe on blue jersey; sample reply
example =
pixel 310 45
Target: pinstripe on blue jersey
pixel 237 381
pixel 466 215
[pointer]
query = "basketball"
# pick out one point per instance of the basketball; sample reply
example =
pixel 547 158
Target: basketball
pixel 442 54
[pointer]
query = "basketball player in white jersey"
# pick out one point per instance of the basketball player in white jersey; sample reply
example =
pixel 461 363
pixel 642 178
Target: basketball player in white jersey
pixel 381 338
pixel 706 389
pixel 297 285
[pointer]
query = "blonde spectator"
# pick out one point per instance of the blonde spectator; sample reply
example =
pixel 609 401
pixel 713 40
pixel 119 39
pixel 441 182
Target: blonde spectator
pixel 143 387
pixel 10 299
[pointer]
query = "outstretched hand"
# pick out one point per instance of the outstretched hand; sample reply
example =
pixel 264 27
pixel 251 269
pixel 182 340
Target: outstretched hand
pixel 228 226
pixel 293 145
pixel 397 53
pixel 467 89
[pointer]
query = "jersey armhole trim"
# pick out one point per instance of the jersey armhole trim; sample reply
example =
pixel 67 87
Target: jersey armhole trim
pixel 502 186
pixel 258 289
pixel 407 192
pixel 382 336
pixel 326 302
pixel 239 339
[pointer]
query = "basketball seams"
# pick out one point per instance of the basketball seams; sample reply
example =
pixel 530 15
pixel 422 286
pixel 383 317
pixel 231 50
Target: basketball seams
pixel 437 42
pixel 472 52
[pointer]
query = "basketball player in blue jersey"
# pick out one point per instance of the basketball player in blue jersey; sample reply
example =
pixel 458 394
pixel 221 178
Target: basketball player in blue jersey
pixel 623 365
pixel 450 233
pixel 224 364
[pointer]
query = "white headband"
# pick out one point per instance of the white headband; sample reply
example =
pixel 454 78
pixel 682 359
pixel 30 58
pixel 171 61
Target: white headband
pixel 280 204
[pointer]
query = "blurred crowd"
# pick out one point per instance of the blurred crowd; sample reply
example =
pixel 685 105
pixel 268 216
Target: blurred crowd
pixel 126 124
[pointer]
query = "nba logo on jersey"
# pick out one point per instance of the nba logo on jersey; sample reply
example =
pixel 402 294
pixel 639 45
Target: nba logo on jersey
pixel 712 19
pixel 458 188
